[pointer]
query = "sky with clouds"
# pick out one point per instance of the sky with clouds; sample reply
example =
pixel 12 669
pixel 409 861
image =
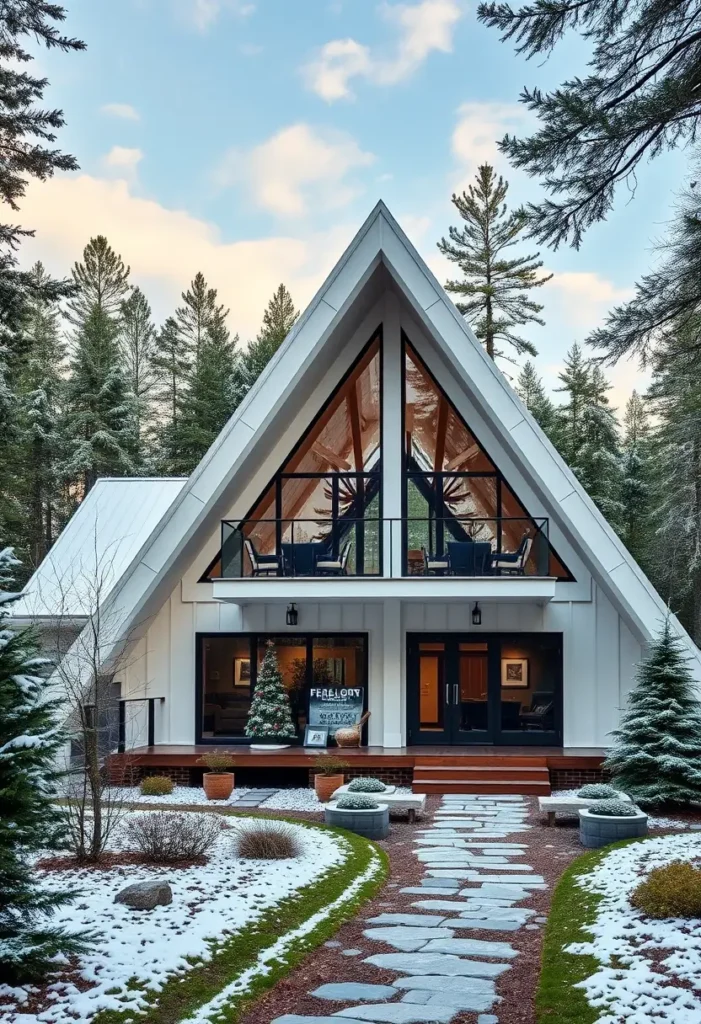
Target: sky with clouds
pixel 249 139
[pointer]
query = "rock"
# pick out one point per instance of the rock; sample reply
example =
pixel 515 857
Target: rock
pixel 145 895
pixel 406 938
pixel 420 920
pixel 436 963
pixel 399 1013
pixel 459 985
pixel 346 991
pixel 487 1018
pixel 471 947
pixel 351 952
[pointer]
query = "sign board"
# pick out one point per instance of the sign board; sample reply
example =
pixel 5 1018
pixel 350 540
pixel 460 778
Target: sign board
pixel 335 706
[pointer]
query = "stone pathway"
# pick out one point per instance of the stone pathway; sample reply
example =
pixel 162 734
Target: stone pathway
pixel 253 798
pixel 474 877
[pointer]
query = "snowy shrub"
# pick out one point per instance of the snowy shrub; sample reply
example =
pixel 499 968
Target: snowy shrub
pixel 670 891
pixel 353 802
pixel 272 840
pixel 614 809
pixel 366 786
pixel 597 791
pixel 157 785
pixel 166 837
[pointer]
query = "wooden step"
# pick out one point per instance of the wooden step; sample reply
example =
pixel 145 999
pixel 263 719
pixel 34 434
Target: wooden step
pixel 519 775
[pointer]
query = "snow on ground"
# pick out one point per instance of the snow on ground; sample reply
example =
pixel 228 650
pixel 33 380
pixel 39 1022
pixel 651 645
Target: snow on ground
pixel 303 799
pixel 636 991
pixel 210 901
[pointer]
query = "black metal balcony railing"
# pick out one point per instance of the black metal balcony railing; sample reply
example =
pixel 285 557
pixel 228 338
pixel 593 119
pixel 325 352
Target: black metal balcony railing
pixel 450 546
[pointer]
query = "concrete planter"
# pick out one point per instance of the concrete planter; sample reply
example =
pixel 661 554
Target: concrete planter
pixel 373 824
pixel 597 830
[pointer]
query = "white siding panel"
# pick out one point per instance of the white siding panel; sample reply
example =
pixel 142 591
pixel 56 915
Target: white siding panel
pixel 607 657
pixel 353 616
pixel 550 473
pixel 182 660
pixel 415 617
pixel 436 617
pixel 230 618
pixel 330 617
pixel 580 678
pixel 630 655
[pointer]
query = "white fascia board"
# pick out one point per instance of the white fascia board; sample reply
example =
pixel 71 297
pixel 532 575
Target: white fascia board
pixel 522 589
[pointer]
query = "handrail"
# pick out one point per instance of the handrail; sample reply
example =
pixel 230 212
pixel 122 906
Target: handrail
pixel 273 547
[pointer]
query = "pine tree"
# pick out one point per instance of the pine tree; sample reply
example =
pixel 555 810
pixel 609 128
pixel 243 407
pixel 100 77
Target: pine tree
pixel 40 390
pixel 278 320
pixel 675 395
pixel 636 485
pixel 198 314
pixel 30 821
pixel 656 755
pixel 638 99
pixel 600 455
pixel 530 390
pixel 173 368
pixel 269 716
pixel 137 341
pixel 494 288
pixel 208 403
pixel 576 386
pixel 99 421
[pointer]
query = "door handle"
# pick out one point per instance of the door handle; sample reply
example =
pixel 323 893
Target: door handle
pixel 447 693
pixel 455 693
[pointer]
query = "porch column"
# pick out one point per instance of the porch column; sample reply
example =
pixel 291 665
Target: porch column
pixel 392 436
pixel 392 675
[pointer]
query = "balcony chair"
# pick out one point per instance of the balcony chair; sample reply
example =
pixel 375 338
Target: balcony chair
pixel 334 566
pixel 513 563
pixel 469 558
pixel 261 565
pixel 434 566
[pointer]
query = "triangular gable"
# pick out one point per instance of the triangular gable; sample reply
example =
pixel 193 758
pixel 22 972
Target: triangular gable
pixel 381 241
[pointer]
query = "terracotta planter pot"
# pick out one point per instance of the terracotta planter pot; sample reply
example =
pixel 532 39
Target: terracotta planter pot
pixel 218 786
pixel 325 785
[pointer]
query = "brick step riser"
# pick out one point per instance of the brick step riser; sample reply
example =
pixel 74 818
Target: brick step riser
pixel 475 760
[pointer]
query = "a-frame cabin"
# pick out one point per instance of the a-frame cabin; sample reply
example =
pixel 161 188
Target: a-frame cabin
pixel 386 511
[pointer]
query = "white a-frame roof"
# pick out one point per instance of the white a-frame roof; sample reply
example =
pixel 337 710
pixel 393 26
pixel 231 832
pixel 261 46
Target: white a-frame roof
pixel 381 252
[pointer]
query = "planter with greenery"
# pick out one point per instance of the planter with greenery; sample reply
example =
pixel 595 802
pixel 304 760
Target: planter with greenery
pixel 218 780
pixel 359 813
pixel 610 820
pixel 328 775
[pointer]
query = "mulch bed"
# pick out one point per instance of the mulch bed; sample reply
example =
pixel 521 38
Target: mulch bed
pixel 108 861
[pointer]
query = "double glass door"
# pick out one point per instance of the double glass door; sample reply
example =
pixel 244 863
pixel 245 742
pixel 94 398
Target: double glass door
pixel 495 688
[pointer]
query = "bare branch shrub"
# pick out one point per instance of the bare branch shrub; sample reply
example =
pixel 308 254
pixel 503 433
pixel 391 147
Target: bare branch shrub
pixel 166 837
pixel 271 840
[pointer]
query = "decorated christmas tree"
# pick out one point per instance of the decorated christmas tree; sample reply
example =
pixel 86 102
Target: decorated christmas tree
pixel 269 716
pixel 656 757
pixel 29 820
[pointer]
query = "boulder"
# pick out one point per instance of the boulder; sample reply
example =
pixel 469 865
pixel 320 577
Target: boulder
pixel 145 895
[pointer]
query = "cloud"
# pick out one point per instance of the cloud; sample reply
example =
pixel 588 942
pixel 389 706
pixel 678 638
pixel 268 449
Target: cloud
pixel 204 13
pixel 296 168
pixel 123 110
pixel 166 247
pixel 420 29
pixel 478 128
pixel 122 161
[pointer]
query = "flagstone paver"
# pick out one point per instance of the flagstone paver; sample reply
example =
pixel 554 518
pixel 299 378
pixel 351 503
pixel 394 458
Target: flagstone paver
pixel 343 991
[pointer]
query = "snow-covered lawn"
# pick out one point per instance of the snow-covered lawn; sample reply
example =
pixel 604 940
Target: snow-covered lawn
pixel 660 974
pixel 654 821
pixel 209 903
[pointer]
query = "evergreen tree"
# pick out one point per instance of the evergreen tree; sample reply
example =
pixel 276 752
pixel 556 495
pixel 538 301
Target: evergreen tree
pixel 173 368
pixel 656 756
pixel 278 320
pixel 639 98
pixel 494 288
pixel 675 395
pixel 30 821
pixel 41 386
pixel 576 386
pixel 208 403
pixel 636 486
pixel 137 340
pixel 600 454
pixel 99 422
pixel 529 388
pixel 269 716
pixel 198 314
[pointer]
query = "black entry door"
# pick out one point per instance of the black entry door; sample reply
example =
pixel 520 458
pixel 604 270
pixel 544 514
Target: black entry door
pixel 492 689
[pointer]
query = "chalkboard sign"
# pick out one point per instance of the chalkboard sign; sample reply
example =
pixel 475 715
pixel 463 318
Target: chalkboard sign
pixel 335 706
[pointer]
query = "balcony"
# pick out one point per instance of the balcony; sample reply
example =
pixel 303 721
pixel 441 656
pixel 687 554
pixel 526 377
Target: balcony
pixel 379 548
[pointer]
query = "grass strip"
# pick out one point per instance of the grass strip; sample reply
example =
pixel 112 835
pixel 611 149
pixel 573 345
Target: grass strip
pixel 183 994
pixel 573 908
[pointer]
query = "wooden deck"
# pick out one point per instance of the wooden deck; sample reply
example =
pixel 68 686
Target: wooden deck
pixel 184 756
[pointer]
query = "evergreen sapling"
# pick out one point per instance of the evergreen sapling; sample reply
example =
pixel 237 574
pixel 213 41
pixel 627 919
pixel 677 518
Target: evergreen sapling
pixel 30 822
pixel 269 716
pixel 656 756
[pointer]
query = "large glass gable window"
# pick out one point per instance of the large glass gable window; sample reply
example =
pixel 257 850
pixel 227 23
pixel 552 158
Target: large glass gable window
pixel 320 515
pixel 461 513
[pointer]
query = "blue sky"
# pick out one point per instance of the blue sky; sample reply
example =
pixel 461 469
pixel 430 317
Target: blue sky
pixel 250 138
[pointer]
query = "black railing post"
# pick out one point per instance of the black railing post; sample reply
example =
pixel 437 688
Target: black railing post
pixel 151 722
pixel 122 728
